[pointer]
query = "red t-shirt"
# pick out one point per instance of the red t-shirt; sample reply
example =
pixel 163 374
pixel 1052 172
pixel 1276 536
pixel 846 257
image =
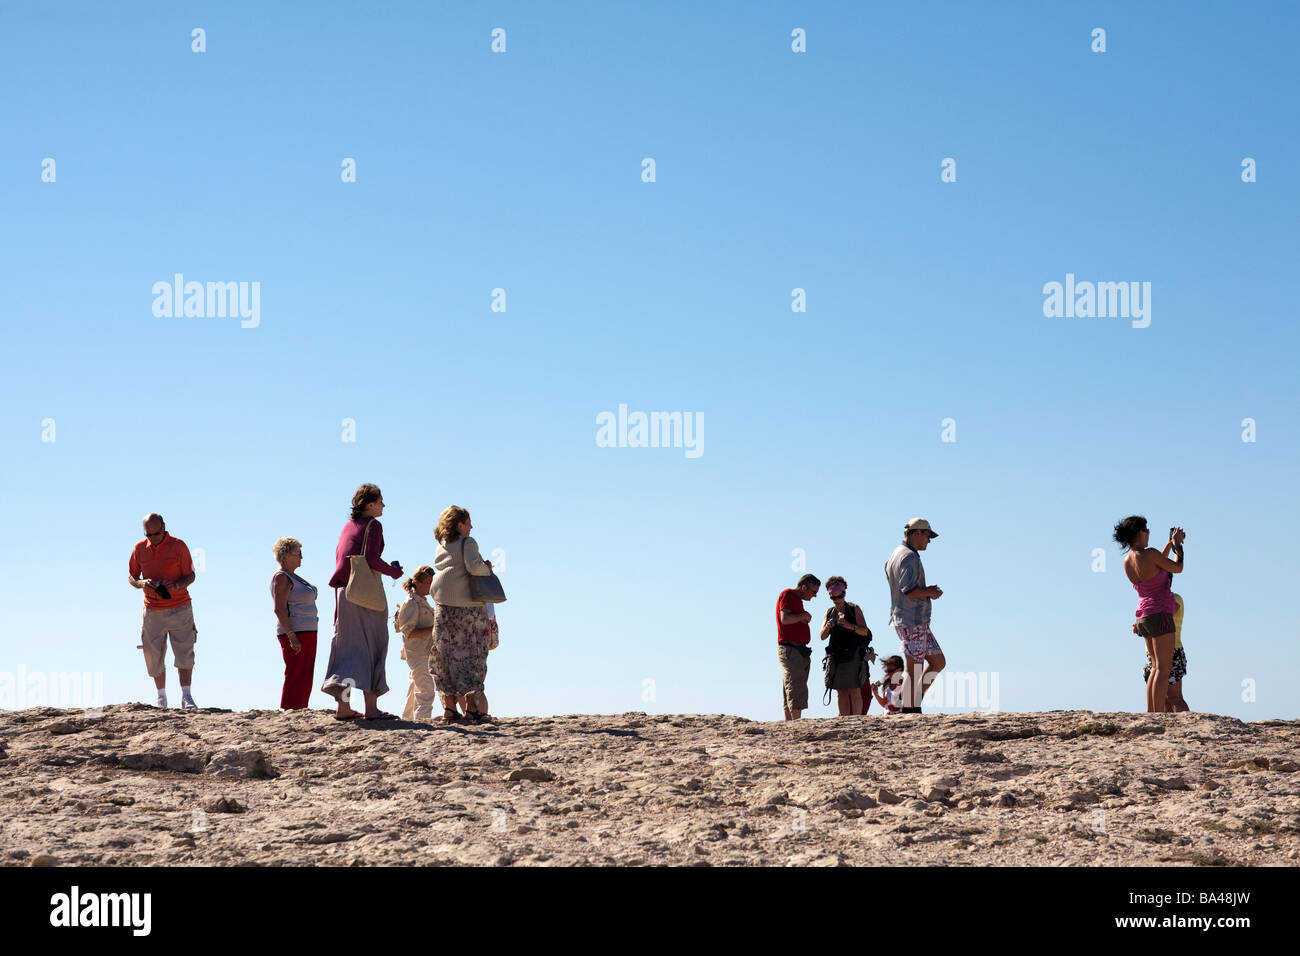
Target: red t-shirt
pixel 791 633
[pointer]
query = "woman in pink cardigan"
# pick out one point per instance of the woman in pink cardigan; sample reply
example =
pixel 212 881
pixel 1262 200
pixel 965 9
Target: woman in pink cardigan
pixel 360 634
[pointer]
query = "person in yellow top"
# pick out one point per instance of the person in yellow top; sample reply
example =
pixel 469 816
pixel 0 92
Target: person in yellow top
pixel 1174 703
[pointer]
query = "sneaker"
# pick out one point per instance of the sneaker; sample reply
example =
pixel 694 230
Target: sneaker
pixel 187 703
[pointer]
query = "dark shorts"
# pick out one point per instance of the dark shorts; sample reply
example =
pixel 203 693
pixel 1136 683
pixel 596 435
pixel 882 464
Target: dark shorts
pixel 1177 670
pixel 849 675
pixel 1155 624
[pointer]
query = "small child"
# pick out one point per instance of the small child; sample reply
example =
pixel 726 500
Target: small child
pixel 893 685
pixel 414 621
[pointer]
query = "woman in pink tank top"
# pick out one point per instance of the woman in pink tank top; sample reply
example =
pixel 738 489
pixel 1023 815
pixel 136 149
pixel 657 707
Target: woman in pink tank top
pixel 1151 573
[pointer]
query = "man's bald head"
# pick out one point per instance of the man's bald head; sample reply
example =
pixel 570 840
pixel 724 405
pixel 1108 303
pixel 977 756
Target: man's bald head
pixel 154 524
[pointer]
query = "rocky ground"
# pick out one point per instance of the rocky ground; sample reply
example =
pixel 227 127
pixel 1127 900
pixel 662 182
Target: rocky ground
pixel 133 785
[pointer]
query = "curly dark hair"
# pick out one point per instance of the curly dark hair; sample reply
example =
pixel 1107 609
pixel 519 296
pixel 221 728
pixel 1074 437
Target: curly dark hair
pixel 365 494
pixel 1127 530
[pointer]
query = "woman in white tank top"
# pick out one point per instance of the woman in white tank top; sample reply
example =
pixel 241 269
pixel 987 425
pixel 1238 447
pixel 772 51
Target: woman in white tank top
pixel 296 623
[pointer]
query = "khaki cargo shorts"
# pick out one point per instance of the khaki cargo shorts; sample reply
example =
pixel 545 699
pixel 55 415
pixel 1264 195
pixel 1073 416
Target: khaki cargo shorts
pixel 794 676
pixel 159 624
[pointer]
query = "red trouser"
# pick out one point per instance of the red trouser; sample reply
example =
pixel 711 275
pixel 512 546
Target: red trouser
pixel 298 669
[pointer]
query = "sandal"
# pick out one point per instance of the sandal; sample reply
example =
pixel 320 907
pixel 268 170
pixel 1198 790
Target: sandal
pixel 450 716
pixel 479 717
pixel 351 716
pixel 382 715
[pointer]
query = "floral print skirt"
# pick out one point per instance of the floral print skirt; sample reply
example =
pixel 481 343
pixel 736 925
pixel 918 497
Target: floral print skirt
pixel 458 655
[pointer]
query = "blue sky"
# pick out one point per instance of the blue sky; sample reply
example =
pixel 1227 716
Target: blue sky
pixel 775 170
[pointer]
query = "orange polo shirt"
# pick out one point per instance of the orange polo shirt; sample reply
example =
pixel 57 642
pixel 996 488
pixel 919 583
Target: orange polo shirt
pixel 168 560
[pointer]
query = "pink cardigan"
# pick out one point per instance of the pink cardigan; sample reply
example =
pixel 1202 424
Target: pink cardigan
pixel 350 543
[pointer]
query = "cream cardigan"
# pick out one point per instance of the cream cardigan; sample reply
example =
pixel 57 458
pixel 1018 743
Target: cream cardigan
pixel 414 614
pixel 451 583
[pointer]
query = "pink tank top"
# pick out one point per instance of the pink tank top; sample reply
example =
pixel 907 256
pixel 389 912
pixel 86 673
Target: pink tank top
pixel 1155 595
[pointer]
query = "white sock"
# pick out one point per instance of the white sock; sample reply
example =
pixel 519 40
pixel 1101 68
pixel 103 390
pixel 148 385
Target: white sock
pixel 185 692
pixel 162 698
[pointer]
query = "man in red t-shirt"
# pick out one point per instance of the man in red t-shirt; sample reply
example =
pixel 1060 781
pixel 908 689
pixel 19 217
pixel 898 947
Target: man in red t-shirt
pixel 161 567
pixel 792 640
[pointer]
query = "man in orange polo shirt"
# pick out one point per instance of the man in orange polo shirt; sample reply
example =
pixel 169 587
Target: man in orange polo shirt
pixel 161 567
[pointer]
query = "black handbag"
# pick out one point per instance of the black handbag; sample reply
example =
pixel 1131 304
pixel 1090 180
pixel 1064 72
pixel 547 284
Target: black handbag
pixel 483 588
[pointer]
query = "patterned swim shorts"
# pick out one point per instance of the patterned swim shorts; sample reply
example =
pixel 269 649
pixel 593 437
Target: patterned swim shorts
pixel 918 643
pixel 1177 671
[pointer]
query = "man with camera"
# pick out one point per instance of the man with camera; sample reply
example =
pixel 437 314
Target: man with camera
pixel 161 567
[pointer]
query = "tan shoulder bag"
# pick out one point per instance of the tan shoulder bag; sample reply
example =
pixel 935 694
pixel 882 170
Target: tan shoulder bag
pixel 365 587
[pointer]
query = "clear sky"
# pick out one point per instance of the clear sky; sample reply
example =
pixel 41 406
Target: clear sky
pixel 823 430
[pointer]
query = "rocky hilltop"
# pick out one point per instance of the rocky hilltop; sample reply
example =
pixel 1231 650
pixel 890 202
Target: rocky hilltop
pixel 130 785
